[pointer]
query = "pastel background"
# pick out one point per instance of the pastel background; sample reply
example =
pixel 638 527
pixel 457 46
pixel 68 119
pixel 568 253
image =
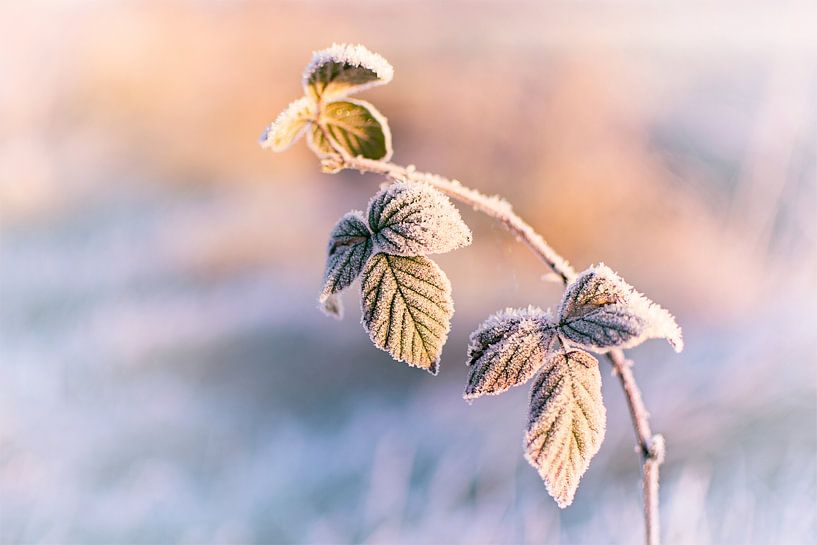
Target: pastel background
pixel 165 376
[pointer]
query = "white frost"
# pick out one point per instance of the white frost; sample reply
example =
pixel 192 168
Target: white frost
pixel 507 349
pixel 289 126
pixel 410 218
pixel 601 311
pixel 355 55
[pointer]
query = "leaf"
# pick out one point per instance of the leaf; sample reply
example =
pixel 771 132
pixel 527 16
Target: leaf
pixel 350 245
pixel 507 349
pixel 407 308
pixel 343 69
pixel 289 126
pixel 600 311
pixel 566 422
pixel 332 306
pixel 356 127
pixel 415 219
pixel 318 143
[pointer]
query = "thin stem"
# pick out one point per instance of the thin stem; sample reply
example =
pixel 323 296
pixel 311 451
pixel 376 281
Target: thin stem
pixel 650 446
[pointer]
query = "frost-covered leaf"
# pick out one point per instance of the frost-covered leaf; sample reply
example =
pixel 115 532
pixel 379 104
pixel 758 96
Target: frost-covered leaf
pixel 600 311
pixel 289 126
pixel 354 125
pixel 507 349
pixel 566 421
pixel 331 305
pixel 407 308
pixel 416 219
pixel 350 245
pixel 343 69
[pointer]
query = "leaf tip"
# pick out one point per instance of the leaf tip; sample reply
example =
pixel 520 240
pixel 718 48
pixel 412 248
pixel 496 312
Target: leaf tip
pixel 331 306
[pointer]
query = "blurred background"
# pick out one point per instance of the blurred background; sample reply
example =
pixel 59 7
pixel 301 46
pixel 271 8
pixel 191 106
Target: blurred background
pixel 166 377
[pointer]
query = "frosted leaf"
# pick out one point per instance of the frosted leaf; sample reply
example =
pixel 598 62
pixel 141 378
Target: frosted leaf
pixel 566 422
pixel 289 126
pixel 600 311
pixel 407 308
pixel 507 349
pixel 332 306
pixel 415 219
pixel 354 125
pixel 343 69
pixel 350 245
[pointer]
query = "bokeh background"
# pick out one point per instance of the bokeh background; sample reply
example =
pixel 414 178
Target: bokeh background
pixel 165 376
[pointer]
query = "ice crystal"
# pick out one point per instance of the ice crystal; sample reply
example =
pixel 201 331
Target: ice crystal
pixel 407 308
pixel 566 422
pixel 415 219
pixel 354 125
pixel 289 126
pixel 507 349
pixel 343 69
pixel 601 311
pixel 350 245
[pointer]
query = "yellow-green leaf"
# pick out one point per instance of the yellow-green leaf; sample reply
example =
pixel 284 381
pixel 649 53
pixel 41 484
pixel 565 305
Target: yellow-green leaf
pixel 289 126
pixel 566 421
pixel 356 127
pixel 407 308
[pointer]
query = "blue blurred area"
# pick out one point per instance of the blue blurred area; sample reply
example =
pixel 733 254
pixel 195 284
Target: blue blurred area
pixel 166 377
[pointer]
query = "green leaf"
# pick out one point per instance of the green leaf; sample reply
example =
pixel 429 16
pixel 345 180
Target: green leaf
pixel 318 143
pixel 416 219
pixel 407 308
pixel 350 245
pixel 343 69
pixel 601 311
pixel 355 126
pixel 507 349
pixel 566 422
pixel 289 126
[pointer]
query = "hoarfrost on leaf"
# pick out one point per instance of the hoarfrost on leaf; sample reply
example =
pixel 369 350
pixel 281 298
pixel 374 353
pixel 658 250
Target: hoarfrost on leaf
pixel 600 311
pixel 507 349
pixel 566 422
pixel 415 219
pixel 349 247
pixel 407 308
pixel 289 126
pixel 343 69
pixel 355 126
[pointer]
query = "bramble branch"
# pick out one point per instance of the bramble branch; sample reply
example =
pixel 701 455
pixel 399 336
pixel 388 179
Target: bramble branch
pixel 651 447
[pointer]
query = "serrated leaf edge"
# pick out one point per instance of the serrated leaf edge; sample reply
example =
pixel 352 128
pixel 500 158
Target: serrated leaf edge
pixel 355 55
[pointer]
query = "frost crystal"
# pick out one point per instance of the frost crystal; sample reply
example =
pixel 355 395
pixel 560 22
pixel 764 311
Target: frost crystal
pixel 407 308
pixel 289 126
pixel 566 422
pixel 350 245
pixel 600 311
pixel 343 69
pixel 415 219
pixel 507 349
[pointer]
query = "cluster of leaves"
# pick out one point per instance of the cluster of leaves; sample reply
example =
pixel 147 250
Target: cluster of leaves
pixel 566 416
pixel 330 119
pixel 405 296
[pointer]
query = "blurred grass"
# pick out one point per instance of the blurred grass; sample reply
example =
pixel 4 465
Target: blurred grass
pixel 165 377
